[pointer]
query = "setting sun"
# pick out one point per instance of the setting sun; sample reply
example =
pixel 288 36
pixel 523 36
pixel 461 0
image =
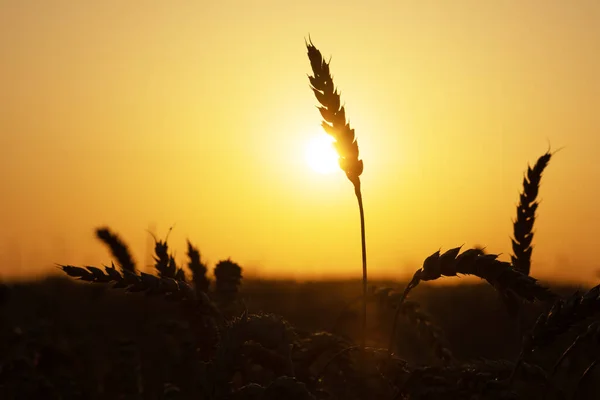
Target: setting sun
pixel 321 155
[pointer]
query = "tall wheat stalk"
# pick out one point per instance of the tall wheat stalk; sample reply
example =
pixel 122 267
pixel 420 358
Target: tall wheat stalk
pixel 335 125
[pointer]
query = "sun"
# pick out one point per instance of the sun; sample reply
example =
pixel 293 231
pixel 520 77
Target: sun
pixel 321 155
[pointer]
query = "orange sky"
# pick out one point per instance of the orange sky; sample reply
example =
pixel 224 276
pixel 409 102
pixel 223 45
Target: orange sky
pixel 194 113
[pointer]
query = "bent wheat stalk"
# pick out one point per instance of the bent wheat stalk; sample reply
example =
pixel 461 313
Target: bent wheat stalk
pixel 501 275
pixel 335 125
pixel 149 284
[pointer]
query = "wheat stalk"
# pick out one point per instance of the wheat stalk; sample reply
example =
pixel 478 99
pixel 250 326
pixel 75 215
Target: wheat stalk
pixel 117 247
pixel 523 224
pixel 334 116
pixel 198 269
pixel 498 273
pixel 150 284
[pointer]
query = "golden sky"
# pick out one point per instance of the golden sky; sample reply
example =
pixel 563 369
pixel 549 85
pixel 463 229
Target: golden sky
pixel 146 113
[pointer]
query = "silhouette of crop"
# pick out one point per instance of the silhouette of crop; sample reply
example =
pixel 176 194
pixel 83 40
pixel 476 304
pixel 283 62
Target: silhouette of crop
pixel 225 343
pixel 165 263
pixel 198 269
pixel 499 274
pixel 228 278
pixel 334 116
pixel 523 224
pixel 117 247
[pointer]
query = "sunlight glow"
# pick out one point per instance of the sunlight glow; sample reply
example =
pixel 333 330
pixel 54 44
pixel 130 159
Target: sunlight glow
pixel 321 155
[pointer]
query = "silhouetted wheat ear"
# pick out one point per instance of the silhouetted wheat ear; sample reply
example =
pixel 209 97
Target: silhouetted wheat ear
pixel 498 273
pixel 501 275
pixel 164 263
pixel 201 282
pixel 334 116
pixel 523 224
pixel 117 247
pixel 228 278
pixel 132 282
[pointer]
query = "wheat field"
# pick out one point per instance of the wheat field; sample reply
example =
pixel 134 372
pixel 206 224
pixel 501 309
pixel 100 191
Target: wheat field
pixel 199 331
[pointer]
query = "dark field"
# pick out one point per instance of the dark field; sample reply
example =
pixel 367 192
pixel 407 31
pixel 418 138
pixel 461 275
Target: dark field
pixel 66 339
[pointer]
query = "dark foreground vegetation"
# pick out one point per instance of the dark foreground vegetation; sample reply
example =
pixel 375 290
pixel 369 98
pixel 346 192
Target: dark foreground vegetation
pixel 61 339
pixel 173 334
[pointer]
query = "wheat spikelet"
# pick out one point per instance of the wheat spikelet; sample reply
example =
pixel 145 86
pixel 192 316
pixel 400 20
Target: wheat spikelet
pixel 198 269
pixel 117 247
pixel 523 224
pixel 334 116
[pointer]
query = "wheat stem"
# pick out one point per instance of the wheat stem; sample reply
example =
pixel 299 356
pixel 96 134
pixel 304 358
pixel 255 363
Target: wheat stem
pixel 364 265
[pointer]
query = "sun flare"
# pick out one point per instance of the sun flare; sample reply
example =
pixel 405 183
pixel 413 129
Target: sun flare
pixel 321 155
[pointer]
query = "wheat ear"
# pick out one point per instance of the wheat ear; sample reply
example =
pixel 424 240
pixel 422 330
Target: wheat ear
pixel 150 284
pixel 523 224
pixel 498 273
pixel 198 268
pixel 164 262
pixel 335 124
pixel 117 247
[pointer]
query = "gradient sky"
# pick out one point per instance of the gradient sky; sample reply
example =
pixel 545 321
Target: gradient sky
pixel 145 113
